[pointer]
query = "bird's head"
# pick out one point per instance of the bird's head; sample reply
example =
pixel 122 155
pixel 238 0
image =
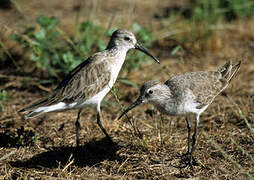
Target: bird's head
pixel 127 40
pixel 152 92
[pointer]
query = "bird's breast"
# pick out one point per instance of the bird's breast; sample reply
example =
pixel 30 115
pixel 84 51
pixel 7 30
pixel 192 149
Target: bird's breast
pixel 115 66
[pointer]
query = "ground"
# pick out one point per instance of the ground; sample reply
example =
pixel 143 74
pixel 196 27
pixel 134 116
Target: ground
pixel 225 139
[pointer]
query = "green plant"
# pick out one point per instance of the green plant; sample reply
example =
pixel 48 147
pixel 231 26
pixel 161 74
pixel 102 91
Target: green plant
pixel 53 51
pixel 211 11
pixel 3 97
pixel 202 18
pixel 91 37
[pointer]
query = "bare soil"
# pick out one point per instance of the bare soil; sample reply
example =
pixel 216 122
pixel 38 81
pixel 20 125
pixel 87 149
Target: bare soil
pixel 225 143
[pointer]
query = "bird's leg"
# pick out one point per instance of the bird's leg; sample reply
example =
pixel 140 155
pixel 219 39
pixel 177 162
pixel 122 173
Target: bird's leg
pixel 77 125
pixel 194 138
pixel 100 125
pixel 102 128
pixel 189 131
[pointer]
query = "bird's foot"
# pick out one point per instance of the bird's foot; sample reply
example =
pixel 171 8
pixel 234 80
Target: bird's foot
pixel 109 139
pixel 191 162
pixel 77 144
pixel 186 155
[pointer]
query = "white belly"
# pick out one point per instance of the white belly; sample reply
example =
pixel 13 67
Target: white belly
pixel 189 107
pixel 93 101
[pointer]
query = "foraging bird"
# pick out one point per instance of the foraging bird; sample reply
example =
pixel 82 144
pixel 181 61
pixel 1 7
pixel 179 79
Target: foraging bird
pixel 188 93
pixel 89 82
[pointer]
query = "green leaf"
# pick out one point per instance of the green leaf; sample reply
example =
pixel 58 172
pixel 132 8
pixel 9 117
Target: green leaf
pixel 136 27
pixel 127 82
pixel 40 35
pixel 175 50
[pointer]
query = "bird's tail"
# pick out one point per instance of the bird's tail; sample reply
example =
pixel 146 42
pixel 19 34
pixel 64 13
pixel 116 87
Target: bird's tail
pixel 228 71
pixel 34 105
pixel 32 114
pixel 60 106
pixel 36 108
pixel 31 109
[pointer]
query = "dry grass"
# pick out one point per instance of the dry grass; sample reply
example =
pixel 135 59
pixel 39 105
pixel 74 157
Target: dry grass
pixel 225 140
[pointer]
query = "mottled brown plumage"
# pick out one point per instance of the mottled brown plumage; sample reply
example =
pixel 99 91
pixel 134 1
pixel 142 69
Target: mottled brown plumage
pixel 88 83
pixel 205 85
pixel 82 84
pixel 188 93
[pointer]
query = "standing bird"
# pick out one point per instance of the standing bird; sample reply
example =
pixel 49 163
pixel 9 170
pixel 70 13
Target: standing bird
pixel 89 82
pixel 188 93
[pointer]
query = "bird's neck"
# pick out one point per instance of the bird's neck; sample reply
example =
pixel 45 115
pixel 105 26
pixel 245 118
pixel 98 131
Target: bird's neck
pixel 165 103
pixel 116 60
pixel 166 106
pixel 117 54
pixel 114 47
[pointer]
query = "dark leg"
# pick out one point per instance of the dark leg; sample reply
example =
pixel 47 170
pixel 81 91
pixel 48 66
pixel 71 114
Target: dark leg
pixel 77 125
pixel 194 138
pixel 189 131
pixel 102 128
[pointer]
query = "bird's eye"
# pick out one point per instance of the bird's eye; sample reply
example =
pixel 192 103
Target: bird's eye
pixel 150 91
pixel 126 38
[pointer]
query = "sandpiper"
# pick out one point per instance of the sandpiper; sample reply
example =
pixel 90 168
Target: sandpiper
pixel 188 93
pixel 88 83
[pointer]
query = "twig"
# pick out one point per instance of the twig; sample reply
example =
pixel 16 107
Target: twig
pixel 243 151
pixel 70 41
pixel 70 163
pixel 226 156
pixel 212 27
pixel 19 10
pixel 8 155
pixel 136 130
pixel 242 115
pixel 76 35
pixel 16 81
pixel 9 55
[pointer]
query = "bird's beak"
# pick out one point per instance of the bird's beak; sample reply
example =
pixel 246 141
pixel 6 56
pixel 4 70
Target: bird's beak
pixel 137 102
pixel 139 47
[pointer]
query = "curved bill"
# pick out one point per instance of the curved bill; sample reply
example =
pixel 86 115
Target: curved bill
pixel 139 47
pixel 137 102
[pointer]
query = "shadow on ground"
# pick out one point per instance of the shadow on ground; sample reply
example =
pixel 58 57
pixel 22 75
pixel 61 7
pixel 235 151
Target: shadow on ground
pixel 17 138
pixel 88 155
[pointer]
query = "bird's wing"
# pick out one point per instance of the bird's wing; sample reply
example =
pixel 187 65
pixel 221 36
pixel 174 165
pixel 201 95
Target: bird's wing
pixel 86 83
pixel 83 82
pixel 205 85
